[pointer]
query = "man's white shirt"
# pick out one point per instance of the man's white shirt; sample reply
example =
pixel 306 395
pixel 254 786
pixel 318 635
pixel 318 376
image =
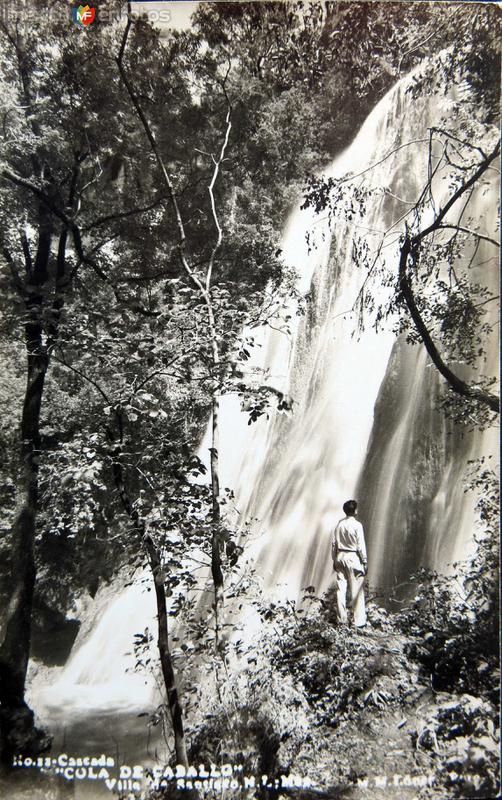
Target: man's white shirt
pixel 349 536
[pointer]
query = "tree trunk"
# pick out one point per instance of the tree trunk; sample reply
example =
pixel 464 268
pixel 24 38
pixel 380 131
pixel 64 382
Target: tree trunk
pixel 216 541
pixel 15 629
pixel 15 637
pixel 166 663
pixel 17 731
pixel 216 568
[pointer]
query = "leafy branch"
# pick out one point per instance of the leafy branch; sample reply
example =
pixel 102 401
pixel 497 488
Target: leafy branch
pixel 410 250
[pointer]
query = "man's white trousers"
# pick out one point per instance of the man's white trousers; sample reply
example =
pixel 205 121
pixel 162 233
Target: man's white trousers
pixel 350 575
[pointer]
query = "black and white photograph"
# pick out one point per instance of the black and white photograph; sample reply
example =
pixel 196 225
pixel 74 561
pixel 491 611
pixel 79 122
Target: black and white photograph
pixel 249 445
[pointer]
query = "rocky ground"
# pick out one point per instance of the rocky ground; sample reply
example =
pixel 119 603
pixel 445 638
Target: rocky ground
pixel 389 733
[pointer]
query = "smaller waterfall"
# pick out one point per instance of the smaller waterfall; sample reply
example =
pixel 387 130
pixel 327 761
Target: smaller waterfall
pixel 100 672
pixel 400 450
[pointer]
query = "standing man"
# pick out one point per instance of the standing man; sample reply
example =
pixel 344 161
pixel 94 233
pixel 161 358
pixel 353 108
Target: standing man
pixel 350 562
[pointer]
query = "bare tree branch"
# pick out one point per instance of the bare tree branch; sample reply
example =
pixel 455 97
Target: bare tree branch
pixel 476 175
pixel 155 150
pixel 217 165
pixel 411 248
pixel 204 289
pixel 67 221
pixel 457 384
pixel 124 214
pixel 61 360
pixel 471 233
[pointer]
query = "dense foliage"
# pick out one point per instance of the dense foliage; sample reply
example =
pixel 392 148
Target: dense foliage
pixel 417 691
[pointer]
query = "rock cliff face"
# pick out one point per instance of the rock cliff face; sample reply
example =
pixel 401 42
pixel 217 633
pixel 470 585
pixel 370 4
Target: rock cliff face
pixel 52 635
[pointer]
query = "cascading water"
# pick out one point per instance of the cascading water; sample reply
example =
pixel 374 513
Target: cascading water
pixel 87 683
pixel 362 419
pixel 406 465
pixel 412 484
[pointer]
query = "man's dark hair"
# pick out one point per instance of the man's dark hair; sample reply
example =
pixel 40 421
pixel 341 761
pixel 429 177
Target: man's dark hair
pixel 350 507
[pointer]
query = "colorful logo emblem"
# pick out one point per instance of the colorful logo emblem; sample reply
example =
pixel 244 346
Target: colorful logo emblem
pixel 83 15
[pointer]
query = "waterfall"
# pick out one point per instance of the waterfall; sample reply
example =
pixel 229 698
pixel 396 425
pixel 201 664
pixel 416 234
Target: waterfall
pixel 100 674
pixel 363 421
